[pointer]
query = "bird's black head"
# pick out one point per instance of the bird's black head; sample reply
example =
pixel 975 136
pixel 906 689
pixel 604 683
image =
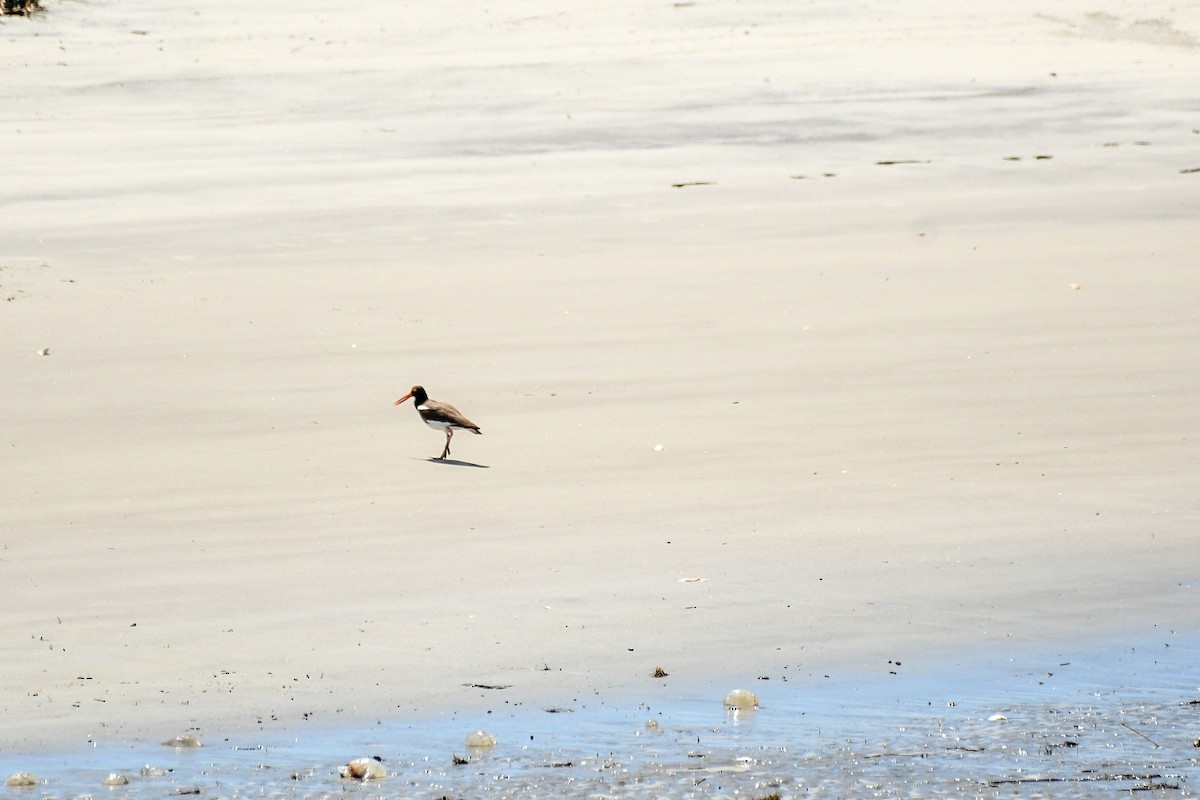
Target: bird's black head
pixel 417 394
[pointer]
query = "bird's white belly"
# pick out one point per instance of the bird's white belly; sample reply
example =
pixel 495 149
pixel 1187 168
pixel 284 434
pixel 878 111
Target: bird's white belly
pixel 436 424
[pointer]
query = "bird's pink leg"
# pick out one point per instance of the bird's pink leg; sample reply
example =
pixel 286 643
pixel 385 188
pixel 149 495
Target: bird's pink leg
pixel 446 452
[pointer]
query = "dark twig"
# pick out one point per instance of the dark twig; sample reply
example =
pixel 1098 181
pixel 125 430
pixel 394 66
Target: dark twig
pixel 896 755
pixel 1075 779
pixel 1144 736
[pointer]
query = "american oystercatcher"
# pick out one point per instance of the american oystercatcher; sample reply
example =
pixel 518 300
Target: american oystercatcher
pixel 439 416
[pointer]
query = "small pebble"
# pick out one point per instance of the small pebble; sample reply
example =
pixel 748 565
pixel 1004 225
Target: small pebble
pixel 21 779
pixel 115 779
pixel 658 448
pixel 997 718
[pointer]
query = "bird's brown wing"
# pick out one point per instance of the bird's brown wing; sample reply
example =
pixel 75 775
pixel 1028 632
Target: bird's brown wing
pixel 436 411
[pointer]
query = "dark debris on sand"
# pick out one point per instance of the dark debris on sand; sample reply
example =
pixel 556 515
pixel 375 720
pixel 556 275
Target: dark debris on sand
pixel 22 8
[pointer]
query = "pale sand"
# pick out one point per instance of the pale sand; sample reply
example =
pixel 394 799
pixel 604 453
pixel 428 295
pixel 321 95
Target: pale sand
pixel 906 411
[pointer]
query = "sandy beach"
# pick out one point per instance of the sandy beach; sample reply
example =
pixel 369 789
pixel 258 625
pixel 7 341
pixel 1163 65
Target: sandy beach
pixel 804 336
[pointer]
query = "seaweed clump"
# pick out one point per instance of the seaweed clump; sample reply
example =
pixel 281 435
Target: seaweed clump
pixel 19 8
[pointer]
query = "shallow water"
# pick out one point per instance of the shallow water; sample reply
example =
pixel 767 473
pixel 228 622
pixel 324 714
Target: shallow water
pixel 1113 719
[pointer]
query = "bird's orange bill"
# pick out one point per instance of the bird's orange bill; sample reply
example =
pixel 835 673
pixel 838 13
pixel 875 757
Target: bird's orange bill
pixel 402 399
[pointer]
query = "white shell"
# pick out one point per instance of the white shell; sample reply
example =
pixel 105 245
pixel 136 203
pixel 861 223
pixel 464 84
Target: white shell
pixel 480 740
pixel 183 741
pixel 363 769
pixel 741 699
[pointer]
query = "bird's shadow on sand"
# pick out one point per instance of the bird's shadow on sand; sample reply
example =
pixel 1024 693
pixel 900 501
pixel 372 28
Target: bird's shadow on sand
pixel 453 462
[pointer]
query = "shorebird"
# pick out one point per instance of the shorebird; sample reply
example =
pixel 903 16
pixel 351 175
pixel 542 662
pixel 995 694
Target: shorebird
pixel 439 416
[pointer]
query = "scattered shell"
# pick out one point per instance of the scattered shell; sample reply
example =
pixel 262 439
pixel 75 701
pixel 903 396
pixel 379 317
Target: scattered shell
pixel 45 351
pixel 21 779
pixel 183 741
pixel 659 672
pixel 997 718
pixel 363 769
pixel 1076 286
pixel 652 724
pixel 480 740
pixel 658 448
pixel 741 699
pixel 149 771
pixel 115 779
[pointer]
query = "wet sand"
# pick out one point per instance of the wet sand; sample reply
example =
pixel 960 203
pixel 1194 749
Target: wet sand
pixel 1117 718
pixel 818 337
